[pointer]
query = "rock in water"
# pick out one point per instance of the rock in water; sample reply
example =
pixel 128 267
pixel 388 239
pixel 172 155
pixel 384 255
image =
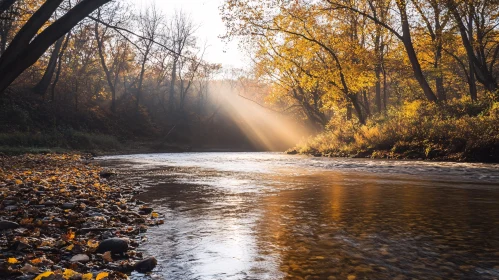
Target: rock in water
pixel 146 265
pixel 8 225
pixel 114 245
pixel 82 258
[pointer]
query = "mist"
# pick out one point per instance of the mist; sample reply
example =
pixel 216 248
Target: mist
pixel 266 129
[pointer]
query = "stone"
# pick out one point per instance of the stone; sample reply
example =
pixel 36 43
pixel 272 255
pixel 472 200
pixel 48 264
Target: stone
pixel 11 208
pixel 68 205
pixel 146 265
pixel 81 258
pixel 107 173
pixel 8 225
pixel 114 245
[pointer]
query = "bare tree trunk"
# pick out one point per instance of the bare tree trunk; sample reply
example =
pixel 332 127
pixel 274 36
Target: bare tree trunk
pixel 28 31
pixel 43 85
pixel 411 53
pixel 172 87
pixel 31 52
pixel 59 67
pixel 104 66
pixel 481 71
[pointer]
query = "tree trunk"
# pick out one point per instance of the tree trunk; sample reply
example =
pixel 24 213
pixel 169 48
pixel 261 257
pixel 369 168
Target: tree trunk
pixel 109 80
pixel 357 107
pixel 439 81
pixel 378 88
pixel 172 87
pixel 411 53
pixel 472 80
pixel 34 50
pixel 482 73
pixel 28 31
pixel 43 85
pixel 59 67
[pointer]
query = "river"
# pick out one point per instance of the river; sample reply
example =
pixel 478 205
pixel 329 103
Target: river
pixel 275 216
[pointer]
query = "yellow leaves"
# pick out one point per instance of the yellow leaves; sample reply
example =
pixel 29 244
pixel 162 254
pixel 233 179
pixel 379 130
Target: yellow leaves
pixel 101 275
pixel 12 260
pixel 92 244
pixel 18 182
pixel 70 247
pixel 43 275
pixel 26 221
pixel 36 261
pixel 87 276
pixel 68 273
pixel 70 235
pixel 154 215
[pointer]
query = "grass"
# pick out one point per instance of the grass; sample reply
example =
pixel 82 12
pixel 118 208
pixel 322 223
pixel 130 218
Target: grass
pixel 56 141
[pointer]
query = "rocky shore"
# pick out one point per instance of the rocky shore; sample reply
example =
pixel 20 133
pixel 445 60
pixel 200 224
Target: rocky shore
pixel 62 217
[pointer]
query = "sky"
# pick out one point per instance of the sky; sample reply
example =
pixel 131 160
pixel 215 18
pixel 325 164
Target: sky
pixel 205 14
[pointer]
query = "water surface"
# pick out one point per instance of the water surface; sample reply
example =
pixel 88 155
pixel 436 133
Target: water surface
pixel 274 216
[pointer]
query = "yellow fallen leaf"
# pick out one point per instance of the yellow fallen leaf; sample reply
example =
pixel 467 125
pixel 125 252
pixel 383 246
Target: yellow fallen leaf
pixel 18 181
pixel 87 276
pixel 68 273
pixel 92 243
pixel 154 215
pixel 36 261
pixel 12 260
pixel 43 275
pixel 101 275
pixel 70 247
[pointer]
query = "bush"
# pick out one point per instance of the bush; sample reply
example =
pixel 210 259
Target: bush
pixel 457 130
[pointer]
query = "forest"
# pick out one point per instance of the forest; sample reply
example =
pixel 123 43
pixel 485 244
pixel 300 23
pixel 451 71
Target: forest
pixel 368 78
pixel 411 79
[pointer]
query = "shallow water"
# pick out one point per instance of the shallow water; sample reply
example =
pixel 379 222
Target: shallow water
pixel 274 216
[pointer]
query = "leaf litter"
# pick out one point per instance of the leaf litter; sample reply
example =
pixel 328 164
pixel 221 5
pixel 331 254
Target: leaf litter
pixel 58 212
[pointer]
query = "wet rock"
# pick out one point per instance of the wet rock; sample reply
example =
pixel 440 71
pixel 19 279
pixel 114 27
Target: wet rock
pixel 145 210
pixel 114 245
pixel 292 152
pixel 107 173
pixel 81 258
pixel 20 246
pixel 146 265
pixel 8 225
pixel 11 208
pixel 8 202
pixel 68 205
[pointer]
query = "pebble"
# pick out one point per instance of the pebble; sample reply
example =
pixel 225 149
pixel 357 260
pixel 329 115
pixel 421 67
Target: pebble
pixel 8 225
pixel 81 258
pixel 114 245
pixel 68 205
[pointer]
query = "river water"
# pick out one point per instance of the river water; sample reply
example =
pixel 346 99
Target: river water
pixel 275 216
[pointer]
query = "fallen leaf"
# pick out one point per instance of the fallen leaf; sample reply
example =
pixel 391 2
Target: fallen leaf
pixel 107 256
pixel 43 275
pixel 68 273
pixel 101 275
pixel 12 260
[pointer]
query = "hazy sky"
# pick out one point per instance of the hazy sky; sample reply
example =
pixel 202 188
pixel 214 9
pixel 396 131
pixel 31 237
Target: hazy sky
pixel 204 13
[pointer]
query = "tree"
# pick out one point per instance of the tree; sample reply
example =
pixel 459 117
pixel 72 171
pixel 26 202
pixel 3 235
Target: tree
pixel 25 49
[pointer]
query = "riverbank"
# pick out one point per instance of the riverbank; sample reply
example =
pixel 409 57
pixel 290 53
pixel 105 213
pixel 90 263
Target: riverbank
pixel 63 215
pixel 419 130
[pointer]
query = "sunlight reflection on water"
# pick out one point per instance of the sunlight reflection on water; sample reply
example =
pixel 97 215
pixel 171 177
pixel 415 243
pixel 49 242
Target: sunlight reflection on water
pixel 273 216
